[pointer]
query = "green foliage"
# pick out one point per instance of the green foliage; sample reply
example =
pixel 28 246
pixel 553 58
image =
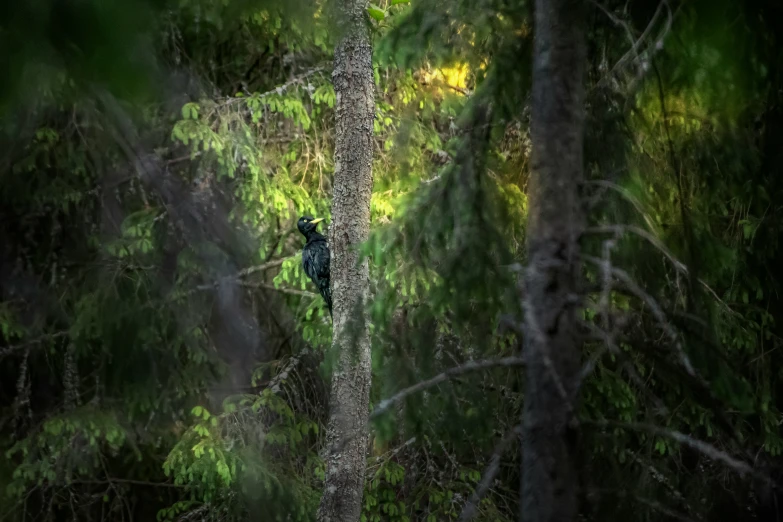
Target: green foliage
pixel 65 449
pixel 381 495
pixel 247 450
pixel 113 352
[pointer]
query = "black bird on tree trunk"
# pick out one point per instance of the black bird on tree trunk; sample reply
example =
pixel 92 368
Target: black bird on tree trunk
pixel 315 257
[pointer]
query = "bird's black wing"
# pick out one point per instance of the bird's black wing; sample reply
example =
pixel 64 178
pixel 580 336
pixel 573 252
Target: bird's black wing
pixel 324 261
pixel 316 261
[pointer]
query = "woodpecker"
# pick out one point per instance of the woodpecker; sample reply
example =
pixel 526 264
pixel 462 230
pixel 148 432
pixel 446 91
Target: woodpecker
pixel 316 257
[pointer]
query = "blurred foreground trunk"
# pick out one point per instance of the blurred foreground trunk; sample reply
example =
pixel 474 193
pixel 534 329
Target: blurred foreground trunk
pixel 549 484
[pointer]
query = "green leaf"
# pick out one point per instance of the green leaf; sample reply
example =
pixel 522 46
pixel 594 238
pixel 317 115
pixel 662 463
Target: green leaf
pixel 376 12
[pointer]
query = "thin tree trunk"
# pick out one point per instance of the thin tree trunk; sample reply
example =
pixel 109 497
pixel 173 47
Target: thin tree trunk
pixel 350 387
pixel 552 349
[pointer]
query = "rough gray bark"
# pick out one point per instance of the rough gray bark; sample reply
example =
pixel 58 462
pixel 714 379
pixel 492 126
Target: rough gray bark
pixel 346 437
pixel 549 477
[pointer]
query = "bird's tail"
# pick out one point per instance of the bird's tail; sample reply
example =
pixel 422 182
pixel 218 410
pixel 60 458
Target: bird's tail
pixel 326 293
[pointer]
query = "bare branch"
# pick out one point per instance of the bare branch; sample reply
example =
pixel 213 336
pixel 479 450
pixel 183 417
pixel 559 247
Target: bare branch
pixel 470 366
pixel 626 195
pixel 282 290
pixel 708 450
pixel 260 268
pixel 636 45
pixel 659 477
pixel 386 457
pixel 236 278
pixel 611 347
pixel 490 472
pixel 654 241
pixel 608 337
pixel 281 88
pixel 657 312
pixel 131 481
pixel 657 243
pixel 8 350
pixel 604 312
pixel 652 504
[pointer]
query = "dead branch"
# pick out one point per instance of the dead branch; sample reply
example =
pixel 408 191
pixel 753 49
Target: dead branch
pixel 468 367
pixel 282 290
pixel 490 472
pixel 708 450
pixel 635 46
pixel 652 504
pixel 8 350
pixel 279 89
pixel 656 310
pixel 658 244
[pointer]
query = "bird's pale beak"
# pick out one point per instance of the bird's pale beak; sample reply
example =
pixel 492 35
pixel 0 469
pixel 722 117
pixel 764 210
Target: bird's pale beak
pixel 313 222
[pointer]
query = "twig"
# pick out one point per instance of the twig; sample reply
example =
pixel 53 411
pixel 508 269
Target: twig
pixel 653 504
pixel 470 366
pixel 603 310
pixel 658 313
pixel 611 346
pixel 235 278
pixel 617 21
pixel 260 268
pixel 279 89
pixel 660 478
pixel 491 471
pixel 386 457
pixel 634 50
pixel 183 158
pixel 8 350
pixel 131 481
pixel 196 514
pixel 282 290
pixel 657 243
pixel 708 450
pixel 277 381
pixel 626 195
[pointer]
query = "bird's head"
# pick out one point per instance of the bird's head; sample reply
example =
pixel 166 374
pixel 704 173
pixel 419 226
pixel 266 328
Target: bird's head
pixel 306 224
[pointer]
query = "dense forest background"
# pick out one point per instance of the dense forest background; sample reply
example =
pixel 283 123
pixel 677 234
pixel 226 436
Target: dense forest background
pixel 163 356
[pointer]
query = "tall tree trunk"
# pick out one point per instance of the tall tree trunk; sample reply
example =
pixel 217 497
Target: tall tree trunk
pixel 549 484
pixel 350 387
